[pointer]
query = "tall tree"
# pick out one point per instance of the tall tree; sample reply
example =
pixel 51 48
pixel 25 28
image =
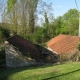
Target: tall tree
pixel 71 21
pixel 10 4
pixel 68 23
pixel 32 5
pixel 46 20
pixel 46 11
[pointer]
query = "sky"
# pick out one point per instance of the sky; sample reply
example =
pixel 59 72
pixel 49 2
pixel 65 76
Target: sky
pixel 2 6
pixel 59 6
pixel 62 6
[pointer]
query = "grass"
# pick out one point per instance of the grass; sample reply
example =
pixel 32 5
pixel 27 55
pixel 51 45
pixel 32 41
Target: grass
pixel 67 71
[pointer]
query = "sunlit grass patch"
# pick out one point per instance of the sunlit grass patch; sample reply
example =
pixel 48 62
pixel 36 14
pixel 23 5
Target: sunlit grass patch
pixel 67 71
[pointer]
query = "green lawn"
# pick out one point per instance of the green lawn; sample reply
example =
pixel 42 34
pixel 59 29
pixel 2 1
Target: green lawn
pixel 67 71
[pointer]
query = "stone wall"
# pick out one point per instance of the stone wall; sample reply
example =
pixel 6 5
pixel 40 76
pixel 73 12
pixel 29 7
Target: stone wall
pixel 14 57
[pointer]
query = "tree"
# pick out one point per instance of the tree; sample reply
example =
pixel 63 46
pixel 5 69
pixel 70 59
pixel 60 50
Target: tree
pixel 4 32
pixel 58 25
pixel 71 21
pixel 10 4
pixel 68 23
pixel 46 11
pixel 46 20
pixel 30 6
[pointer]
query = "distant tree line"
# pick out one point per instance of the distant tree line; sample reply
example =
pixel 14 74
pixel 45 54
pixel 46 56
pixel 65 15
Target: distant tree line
pixel 21 17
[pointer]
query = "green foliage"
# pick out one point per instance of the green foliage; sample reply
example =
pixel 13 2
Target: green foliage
pixel 4 33
pixel 31 22
pixel 2 56
pixel 58 25
pixel 1 37
pixel 32 6
pixel 40 36
pixel 68 23
pixel 28 6
pixel 78 46
pixel 71 21
pixel 70 56
pixel 10 4
pixel 46 21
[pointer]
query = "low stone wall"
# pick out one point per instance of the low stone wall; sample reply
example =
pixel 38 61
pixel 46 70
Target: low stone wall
pixel 14 57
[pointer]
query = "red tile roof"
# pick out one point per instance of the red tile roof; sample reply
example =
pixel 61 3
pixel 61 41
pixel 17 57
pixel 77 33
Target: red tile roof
pixel 63 43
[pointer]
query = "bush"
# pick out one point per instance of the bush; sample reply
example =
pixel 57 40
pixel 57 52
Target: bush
pixel 76 56
pixel 2 61
pixel 78 46
pixel 71 56
pixel 2 56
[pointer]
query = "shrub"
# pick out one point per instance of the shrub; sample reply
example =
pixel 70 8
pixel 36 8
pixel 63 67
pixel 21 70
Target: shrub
pixel 78 46
pixel 2 56
pixel 2 61
pixel 71 56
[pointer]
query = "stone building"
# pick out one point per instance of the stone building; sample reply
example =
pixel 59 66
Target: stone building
pixel 18 49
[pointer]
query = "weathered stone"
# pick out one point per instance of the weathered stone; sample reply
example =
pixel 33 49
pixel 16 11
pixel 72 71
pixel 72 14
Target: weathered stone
pixel 14 57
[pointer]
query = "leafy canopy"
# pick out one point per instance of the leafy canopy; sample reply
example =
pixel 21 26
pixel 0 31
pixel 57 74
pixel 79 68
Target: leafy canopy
pixel 10 4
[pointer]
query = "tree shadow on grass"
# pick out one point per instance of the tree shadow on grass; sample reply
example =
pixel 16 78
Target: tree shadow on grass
pixel 50 78
pixel 5 73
